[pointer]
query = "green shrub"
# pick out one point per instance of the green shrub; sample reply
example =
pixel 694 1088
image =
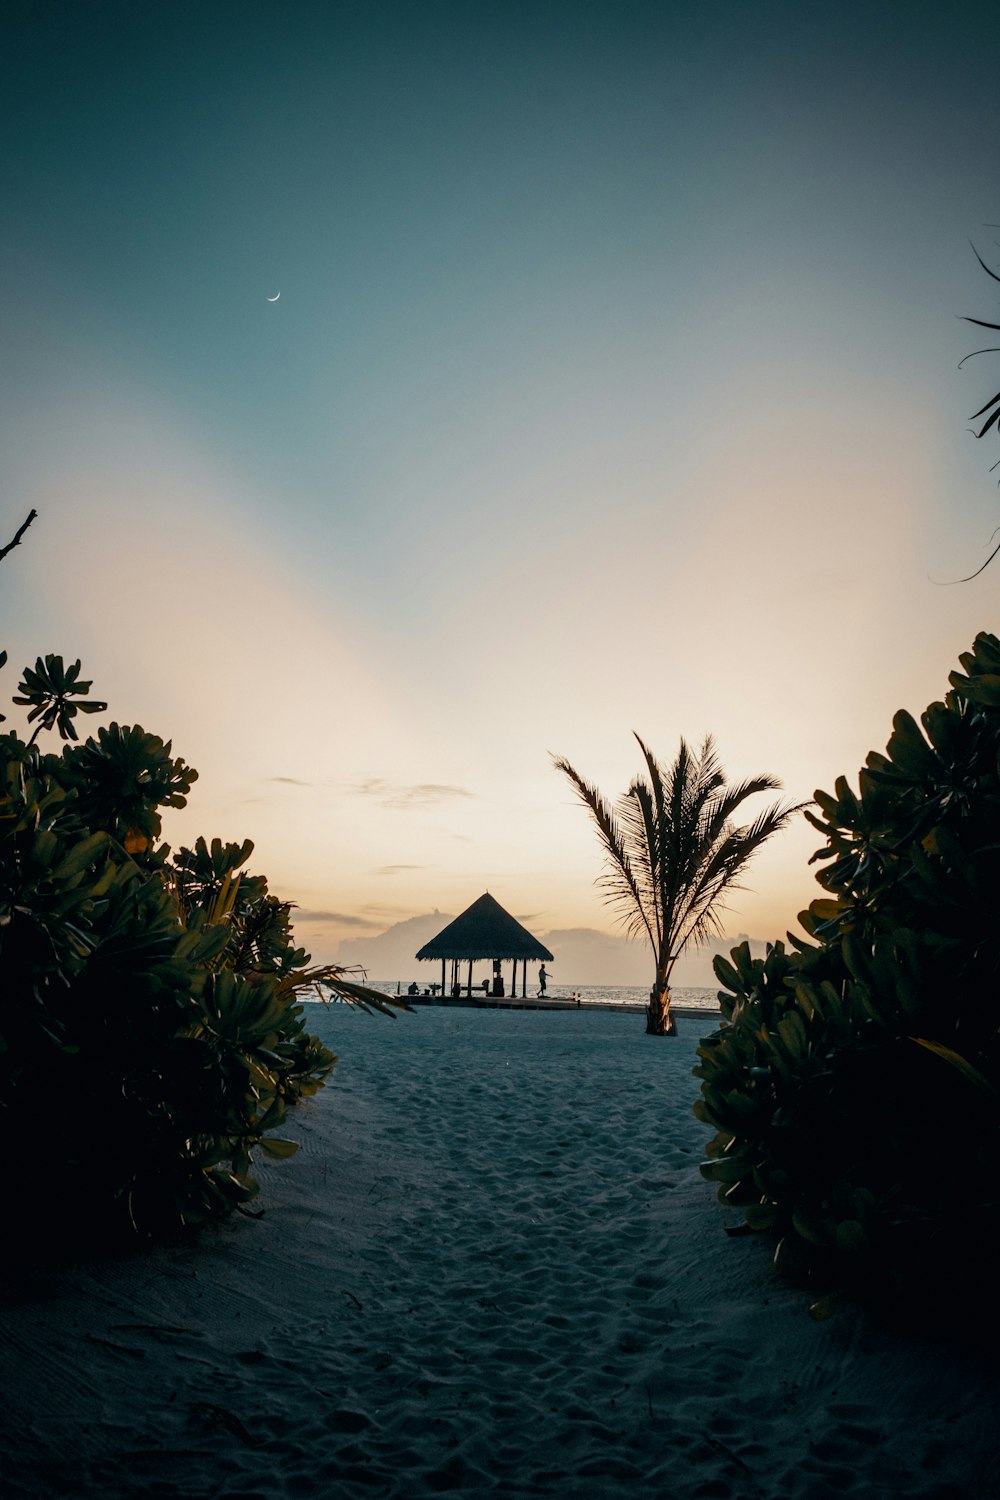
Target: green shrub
pixel 855 1080
pixel 150 1035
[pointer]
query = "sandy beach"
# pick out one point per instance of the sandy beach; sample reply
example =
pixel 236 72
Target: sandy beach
pixel 492 1267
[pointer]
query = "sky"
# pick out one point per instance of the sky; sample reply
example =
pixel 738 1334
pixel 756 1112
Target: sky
pixel 612 387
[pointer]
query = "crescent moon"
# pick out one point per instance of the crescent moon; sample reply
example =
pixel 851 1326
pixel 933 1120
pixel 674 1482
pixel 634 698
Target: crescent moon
pixel 274 298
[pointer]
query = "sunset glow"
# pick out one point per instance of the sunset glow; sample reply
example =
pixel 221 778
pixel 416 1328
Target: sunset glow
pixel 612 387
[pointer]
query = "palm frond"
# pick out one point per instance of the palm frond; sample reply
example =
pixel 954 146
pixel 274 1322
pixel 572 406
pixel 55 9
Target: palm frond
pixel 730 797
pixel 710 773
pixel 637 811
pixel 620 881
pixel 991 420
pixel 344 984
pixel 654 820
pixel 655 783
pixel 983 263
pixel 677 805
pixel 991 402
pixel 702 780
pixel 986 564
pixel 972 354
pixel 724 863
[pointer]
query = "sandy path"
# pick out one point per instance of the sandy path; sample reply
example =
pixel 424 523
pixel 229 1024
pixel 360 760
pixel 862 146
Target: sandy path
pixel 492 1267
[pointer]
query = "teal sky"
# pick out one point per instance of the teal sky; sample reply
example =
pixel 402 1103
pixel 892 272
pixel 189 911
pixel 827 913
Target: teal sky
pixel 612 386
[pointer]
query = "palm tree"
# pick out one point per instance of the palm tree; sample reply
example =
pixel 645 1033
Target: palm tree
pixel 992 406
pixel 672 852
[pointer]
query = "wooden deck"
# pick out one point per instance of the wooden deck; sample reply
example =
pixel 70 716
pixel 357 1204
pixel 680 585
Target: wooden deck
pixel 530 1002
pixel 491 1002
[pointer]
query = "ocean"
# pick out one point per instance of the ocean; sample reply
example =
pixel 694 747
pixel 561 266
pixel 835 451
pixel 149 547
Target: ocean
pixel 603 994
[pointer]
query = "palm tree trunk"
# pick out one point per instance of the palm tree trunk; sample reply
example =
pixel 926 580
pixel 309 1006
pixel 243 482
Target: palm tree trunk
pixel 659 1019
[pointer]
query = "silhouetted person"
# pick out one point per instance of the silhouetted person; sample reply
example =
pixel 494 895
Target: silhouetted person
pixel 542 976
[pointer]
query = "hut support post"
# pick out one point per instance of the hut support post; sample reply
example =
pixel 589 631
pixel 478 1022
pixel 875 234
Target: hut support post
pixel 524 977
pixel 444 993
pixel 468 987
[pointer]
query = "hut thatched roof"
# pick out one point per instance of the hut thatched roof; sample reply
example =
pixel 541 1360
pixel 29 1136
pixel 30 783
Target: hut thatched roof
pixel 484 930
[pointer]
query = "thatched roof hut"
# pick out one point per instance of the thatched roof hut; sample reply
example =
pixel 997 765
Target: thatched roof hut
pixel 485 931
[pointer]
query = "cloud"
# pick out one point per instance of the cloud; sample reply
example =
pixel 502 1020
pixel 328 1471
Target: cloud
pixel 340 917
pixel 391 954
pixel 424 794
pixel 290 781
pixel 395 869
